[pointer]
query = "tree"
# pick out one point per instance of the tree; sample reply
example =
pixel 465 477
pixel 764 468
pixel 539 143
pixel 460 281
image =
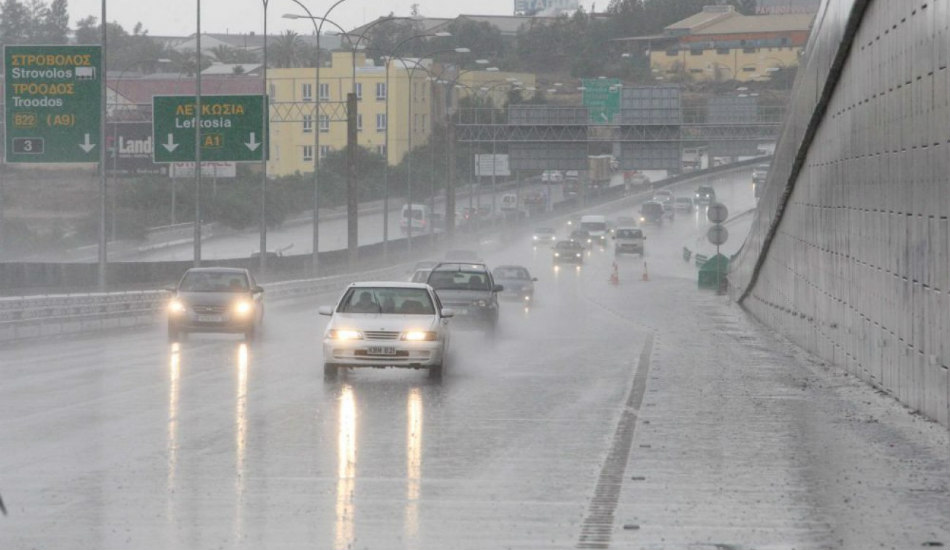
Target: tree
pixel 287 51
pixel 55 26
pixel 14 25
pixel 227 54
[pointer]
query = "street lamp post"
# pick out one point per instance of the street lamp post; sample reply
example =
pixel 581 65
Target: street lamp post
pixel 315 262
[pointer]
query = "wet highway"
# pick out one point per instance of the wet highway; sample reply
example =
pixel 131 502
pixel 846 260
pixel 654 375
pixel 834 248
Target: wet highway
pixel 534 439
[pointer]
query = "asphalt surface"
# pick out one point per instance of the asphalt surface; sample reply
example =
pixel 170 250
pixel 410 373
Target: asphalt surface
pixel 642 415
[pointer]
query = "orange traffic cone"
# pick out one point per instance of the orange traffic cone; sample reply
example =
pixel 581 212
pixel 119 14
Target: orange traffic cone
pixel 615 276
pixel 646 274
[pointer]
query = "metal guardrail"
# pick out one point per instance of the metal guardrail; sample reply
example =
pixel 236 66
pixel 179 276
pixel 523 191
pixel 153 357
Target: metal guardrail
pixel 45 315
pixel 40 316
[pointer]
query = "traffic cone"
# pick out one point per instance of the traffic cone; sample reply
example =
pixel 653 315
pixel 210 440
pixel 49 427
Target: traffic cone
pixel 646 274
pixel 615 276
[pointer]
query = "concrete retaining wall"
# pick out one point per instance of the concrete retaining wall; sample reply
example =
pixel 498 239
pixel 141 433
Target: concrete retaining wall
pixel 849 255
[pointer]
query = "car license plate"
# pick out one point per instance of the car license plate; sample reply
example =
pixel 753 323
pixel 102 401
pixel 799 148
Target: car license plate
pixel 210 318
pixel 381 350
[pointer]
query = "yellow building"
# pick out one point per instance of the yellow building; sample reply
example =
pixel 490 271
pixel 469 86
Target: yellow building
pixel 719 43
pixel 292 95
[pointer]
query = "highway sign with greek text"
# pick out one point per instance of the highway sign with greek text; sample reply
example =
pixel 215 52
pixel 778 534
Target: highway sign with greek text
pixel 232 128
pixel 52 108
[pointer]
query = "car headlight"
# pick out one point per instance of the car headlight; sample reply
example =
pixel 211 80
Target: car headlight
pixel 535 237
pixel 344 334
pixel 176 306
pixel 527 298
pixel 557 254
pixel 480 303
pixel 419 335
pixel 578 254
pixel 642 219
pixel 588 241
pixel 244 307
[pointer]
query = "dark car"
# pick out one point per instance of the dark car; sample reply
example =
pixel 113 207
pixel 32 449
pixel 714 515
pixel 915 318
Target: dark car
pixel 705 195
pixel 581 236
pixel 568 252
pixel 651 212
pixel 215 299
pixel 470 291
pixel 517 280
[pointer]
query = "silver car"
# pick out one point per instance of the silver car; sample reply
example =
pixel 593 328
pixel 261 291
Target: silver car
pixel 386 324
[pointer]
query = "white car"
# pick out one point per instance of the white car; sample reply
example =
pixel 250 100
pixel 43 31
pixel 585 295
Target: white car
pixel 386 324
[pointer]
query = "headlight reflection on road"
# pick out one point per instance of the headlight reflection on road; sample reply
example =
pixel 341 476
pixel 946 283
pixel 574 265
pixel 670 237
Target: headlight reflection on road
pixel 240 438
pixel 346 470
pixel 171 445
pixel 413 460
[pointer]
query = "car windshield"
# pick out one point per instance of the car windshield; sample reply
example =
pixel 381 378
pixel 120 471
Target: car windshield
pixel 387 301
pixel 567 245
pixel 650 208
pixel 685 200
pixel 629 233
pixel 544 231
pixel 459 280
pixel 511 273
pixel 213 281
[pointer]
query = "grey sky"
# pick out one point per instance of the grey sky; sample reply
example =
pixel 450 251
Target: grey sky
pixel 177 17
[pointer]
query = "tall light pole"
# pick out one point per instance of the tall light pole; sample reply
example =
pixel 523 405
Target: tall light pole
pixel 389 61
pixel 315 262
pixel 411 74
pixel 266 149
pixel 103 257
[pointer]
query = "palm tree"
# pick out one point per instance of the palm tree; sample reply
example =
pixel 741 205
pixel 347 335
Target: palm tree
pixel 287 50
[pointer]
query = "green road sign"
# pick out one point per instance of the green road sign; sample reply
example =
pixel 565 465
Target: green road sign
pixel 602 99
pixel 231 128
pixel 52 105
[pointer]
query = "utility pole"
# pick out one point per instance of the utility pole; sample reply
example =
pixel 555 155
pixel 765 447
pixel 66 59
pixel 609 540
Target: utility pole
pixel 352 192
pixel 197 228
pixel 450 182
pixel 103 189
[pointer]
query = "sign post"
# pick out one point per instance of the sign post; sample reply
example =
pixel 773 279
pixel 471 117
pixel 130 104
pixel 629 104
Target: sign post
pixel 52 106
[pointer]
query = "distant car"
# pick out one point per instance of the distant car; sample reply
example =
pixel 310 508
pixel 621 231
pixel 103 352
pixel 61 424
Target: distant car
pixel 581 236
pixel 568 252
pixel 517 280
pixel 544 235
pixel 628 239
pixel 705 195
pixel 462 255
pixel 552 176
pixel 470 290
pixel 596 227
pixel 665 198
pixel 386 324
pixel 651 212
pixel 571 175
pixel 684 204
pixel 760 173
pixel 215 299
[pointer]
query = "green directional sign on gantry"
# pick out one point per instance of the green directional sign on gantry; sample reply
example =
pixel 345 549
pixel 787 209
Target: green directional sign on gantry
pixel 602 99
pixel 52 107
pixel 231 128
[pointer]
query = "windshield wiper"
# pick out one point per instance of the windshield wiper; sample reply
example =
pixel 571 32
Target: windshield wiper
pixel 2 507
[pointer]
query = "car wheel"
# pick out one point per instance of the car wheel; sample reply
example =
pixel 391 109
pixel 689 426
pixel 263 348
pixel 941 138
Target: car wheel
pixel 435 372
pixel 330 371
pixel 250 333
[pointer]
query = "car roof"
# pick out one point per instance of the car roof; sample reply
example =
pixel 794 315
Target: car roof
pixel 510 267
pixel 459 266
pixel 571 243
pixel 627 228
pixel 235 270
pixel 387 284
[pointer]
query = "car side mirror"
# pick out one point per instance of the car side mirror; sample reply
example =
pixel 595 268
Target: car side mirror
pixel 171 289
pixel 448 312
pixel 535 279
pixel 258 289
pixel 498 288
pixel 325 310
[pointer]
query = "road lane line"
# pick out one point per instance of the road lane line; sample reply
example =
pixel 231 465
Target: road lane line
pixel 598 523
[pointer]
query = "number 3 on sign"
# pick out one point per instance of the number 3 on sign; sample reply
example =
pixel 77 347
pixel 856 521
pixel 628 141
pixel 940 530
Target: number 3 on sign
pixel 212 141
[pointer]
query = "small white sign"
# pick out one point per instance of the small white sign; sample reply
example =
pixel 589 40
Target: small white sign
pixel 485 165
pixel 208 169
